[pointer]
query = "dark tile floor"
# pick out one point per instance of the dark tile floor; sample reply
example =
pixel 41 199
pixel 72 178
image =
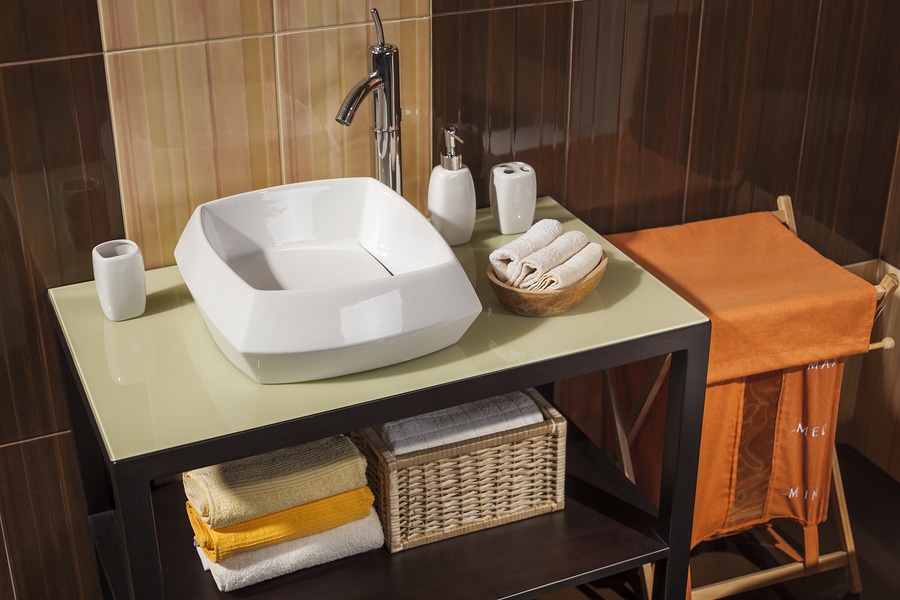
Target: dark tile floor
pixel 872 498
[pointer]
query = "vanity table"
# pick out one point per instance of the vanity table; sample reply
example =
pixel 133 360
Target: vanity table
pixel 157 397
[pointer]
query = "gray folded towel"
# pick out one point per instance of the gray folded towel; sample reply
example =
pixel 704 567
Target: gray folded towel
pixel 459 423
pixel 505 260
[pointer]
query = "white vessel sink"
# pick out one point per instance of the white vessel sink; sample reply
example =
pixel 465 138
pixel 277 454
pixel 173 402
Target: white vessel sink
pixel 323 278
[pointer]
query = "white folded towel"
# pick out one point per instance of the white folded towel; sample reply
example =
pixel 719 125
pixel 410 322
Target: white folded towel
pixel 459 423
pixel 574 269
pixel 253 566
pixel 533 267
pixel 506 258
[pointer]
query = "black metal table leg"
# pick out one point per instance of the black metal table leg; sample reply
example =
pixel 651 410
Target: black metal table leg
pixel 684 419
pixel 134 512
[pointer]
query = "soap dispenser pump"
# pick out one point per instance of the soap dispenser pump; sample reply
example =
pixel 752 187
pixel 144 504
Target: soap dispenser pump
pixel 451 193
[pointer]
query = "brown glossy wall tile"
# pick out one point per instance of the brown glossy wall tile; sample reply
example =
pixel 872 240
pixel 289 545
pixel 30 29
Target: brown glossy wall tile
pixel 44 521
pixel 59 198
pixel 890 245
pixel 64 168
pixel 448 6
pixel 462 90
pixel 6 584
pixel 852 121
pixel 752 82
pixel 502 76
pixel 632 76
pixel 35 30
pixel 31 402
pixel 769 158
pixel 538 133
pixel 58 194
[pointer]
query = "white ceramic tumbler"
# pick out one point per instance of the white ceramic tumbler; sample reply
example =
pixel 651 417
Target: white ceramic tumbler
pixel 119 275
pixel 513 196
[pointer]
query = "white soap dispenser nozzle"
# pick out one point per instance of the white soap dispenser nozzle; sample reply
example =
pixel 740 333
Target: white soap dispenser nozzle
pixel 450 158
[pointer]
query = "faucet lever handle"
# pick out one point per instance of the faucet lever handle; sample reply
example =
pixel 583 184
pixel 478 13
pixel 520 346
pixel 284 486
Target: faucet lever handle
pixel 379 30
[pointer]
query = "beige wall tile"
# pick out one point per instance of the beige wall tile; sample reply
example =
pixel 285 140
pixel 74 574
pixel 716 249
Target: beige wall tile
pixel 415 99
pixel 192 123
pixel 314 145
pixel 143 23
pixel 307 14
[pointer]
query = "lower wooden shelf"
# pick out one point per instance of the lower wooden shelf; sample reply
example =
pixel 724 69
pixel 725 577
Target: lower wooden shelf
pixel 606 527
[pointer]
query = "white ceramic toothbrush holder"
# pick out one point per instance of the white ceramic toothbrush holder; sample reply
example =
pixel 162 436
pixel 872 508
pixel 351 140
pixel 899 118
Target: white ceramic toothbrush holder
pixel 119 275
pixel 513 196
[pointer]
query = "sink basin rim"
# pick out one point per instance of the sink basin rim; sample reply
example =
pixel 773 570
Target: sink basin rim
pixel 381 312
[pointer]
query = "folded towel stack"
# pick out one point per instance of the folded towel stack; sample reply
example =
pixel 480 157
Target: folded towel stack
pixel 545 258
pixel 459 423
pixel 268 515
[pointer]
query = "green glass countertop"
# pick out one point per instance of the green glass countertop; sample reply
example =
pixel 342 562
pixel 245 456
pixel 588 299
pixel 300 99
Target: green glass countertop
pixel 159 381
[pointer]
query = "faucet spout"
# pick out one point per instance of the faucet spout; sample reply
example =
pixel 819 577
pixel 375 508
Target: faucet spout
pixel 357 94
pixel 383 83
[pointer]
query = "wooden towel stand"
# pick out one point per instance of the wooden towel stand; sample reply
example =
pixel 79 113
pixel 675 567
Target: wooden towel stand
pixel 626 430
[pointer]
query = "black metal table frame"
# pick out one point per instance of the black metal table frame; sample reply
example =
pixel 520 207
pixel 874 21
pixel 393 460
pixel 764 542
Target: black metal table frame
pixel 130 479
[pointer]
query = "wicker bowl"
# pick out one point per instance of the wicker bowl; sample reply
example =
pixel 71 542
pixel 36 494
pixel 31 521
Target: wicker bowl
pixel 550 302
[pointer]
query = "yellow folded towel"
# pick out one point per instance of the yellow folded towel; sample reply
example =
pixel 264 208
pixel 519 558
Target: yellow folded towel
pixel 247 488
pixel 306 519
pixel 574 269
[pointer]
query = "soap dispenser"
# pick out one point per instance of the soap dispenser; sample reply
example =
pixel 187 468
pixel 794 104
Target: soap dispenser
pixel 451 193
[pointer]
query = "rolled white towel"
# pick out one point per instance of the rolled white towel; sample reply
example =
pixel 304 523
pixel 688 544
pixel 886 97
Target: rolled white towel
pixel 459 423
pixel 246 568
pixel 533 267
pixel 560 276
pixel 538 235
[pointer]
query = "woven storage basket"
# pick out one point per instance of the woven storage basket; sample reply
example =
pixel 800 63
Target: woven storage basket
pixel 443 492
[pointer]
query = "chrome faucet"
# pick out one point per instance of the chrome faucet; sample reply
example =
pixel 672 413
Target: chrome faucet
pixel 384 82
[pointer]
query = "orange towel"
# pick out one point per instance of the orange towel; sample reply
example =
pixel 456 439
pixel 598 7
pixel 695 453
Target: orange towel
pixel 299 521
pixel 781 314
pixel 766 449
pixel 773 301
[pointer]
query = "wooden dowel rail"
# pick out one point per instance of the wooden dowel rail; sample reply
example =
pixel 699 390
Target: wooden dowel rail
pixel 885 344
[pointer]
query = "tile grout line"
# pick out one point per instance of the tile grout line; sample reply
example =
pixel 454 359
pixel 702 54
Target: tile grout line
pixel 35 439
pixel 264 34
pixel 37 61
